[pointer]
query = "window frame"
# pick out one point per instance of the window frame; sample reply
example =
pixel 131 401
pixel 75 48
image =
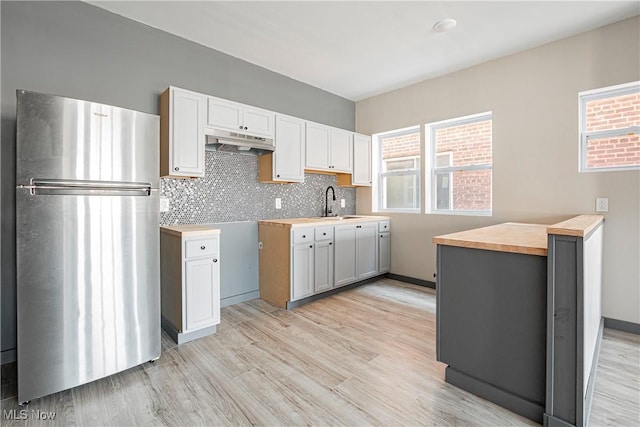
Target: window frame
pixel 378 201
pixel 433 170
pixel 584 136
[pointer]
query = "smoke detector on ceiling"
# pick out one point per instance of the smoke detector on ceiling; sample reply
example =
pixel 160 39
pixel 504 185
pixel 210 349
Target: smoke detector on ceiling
pixel 444 25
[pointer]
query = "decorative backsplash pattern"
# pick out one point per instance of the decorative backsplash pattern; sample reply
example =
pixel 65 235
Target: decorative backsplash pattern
pixel 230 192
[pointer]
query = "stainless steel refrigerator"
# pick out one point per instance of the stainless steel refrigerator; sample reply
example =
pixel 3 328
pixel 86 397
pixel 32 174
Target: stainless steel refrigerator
pixel 87 214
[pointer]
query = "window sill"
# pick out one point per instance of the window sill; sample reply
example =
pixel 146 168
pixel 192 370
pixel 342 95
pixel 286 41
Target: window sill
pixel 461 213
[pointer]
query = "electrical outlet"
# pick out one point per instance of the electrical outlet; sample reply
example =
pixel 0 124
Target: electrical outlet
pixel 278 203
pixel 165 204
pixel 342 203
pixel 602 204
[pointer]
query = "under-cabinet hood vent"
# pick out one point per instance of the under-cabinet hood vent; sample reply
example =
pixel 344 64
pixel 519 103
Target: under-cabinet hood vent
pixel 234 142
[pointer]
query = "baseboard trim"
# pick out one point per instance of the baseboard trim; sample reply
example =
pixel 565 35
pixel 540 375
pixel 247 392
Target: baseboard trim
pixel 236 299
pixel 493 394
pixel 180 337
pixel 622 325
pixel 298 303
pixel 8 356
pixel 412 280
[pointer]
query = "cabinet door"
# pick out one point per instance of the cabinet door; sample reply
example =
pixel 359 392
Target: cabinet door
pixel 224 114
pixel 367 250
pixel 302 266
pixel 258 122
pixel 288 159
pixel 344 254
pixel 202 293
pixel 317 146
pixel 361 160
pixel 187 133
pixel 341 151
pixel 384 253
pixel 323 266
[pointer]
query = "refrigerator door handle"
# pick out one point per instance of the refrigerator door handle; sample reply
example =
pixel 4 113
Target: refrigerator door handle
pixel 85 187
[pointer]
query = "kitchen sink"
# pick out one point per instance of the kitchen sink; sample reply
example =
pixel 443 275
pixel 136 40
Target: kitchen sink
pixel 339 218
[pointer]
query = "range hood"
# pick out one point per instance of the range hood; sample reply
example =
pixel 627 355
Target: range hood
pixel 234 142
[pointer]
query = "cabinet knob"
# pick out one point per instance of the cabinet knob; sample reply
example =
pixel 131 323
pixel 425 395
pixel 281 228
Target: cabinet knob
pixel 240 127
pixel 311 246
pixel 215 260
pixel 358 226
pixel 304 236
pixel 330 243
pixel 176 168
pixel 203 247
pixel 245 128
pixel 277 176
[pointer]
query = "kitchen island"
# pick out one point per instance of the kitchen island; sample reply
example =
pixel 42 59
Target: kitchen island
pixel 500 292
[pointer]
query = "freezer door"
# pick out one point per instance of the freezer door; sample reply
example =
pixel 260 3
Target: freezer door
pixel 88 288
pixel 68 139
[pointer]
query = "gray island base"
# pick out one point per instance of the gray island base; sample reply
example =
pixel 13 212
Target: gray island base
pixel 518 315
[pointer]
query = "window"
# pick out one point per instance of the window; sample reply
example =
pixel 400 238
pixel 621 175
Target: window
pixel 398 178
pixel 610 128
pixel 461 165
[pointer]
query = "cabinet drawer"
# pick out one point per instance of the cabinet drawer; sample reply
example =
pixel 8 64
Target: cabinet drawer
pixel 384 226
pixel 201 247
pixel 324 233
pixel 301 235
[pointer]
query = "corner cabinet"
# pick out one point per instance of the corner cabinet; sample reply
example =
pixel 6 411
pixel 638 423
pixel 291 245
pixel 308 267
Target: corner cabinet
pixel 190 281
pixel 182 138
pixel 328 149
pixel 297 262
pixel 286 164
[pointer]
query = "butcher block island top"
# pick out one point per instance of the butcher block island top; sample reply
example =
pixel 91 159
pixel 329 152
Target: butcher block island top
pixel 530 239
pixel 520 238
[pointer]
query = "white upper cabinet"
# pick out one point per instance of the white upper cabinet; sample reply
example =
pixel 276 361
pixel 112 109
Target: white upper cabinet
pixel 288 159
pixel 361 160
pixel 233 116
pixel 182 115
pixel 328 149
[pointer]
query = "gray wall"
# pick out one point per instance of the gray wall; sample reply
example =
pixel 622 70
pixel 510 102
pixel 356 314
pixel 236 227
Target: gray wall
pixel 78 50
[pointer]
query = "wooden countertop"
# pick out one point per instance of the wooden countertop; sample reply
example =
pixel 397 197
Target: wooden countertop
pixel 530 239
pixel 306 222
pixel 578 226
pixel 189 230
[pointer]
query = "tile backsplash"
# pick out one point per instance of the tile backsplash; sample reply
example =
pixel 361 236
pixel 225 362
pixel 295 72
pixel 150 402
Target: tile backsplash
pixel 230 192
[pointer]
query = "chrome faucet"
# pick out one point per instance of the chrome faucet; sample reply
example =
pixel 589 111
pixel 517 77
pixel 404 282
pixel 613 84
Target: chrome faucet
pixel 327 209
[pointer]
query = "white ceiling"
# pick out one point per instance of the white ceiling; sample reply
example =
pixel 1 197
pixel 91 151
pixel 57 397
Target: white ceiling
pixel 359 49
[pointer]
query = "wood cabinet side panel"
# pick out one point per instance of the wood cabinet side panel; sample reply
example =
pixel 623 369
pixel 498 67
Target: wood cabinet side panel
pixel 164 133
pixel 171 265
pixel 274 264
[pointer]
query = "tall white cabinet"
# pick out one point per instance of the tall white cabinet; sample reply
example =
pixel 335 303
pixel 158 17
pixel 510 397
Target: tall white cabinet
pixel 182 137
pixel 190 281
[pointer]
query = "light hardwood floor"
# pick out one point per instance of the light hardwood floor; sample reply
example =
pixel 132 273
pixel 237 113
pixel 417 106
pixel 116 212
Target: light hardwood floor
pixel 362 357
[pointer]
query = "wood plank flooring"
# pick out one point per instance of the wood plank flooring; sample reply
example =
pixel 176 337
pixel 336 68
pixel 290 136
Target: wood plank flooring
pixel 362 357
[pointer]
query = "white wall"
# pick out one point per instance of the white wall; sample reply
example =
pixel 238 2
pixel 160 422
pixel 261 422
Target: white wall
pixel 534 99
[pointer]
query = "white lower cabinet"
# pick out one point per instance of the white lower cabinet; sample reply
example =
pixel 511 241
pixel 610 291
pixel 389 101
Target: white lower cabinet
pixel 367 250
pixel 323 266
pixel 384 247
pixel 345 254
pixel 190 282
pixel 300 261
pixel 302 267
